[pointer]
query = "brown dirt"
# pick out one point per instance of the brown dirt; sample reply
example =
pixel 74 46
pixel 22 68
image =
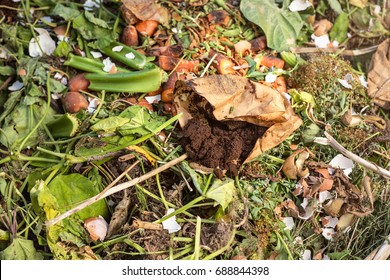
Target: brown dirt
pixel 220 145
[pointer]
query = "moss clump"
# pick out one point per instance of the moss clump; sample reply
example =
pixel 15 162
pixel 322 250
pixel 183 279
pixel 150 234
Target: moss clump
pixel 320 77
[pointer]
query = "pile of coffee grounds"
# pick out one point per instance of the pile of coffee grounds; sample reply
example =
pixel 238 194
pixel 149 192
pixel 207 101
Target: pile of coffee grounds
pixel 221 145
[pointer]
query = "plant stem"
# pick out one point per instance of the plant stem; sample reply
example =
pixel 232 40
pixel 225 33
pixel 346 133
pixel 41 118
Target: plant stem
pixel 223 249
pixel 181 209
pixel 43 117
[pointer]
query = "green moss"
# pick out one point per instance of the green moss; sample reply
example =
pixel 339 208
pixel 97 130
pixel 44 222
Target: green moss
pixel 320 77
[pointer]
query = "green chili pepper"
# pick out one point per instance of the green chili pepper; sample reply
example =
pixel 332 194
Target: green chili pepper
pixel 88 64
pixel 138 81
pixel 126 55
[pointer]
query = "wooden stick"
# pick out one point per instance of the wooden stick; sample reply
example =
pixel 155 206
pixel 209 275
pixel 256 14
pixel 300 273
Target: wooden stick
pixel 377 169
pixel 115 189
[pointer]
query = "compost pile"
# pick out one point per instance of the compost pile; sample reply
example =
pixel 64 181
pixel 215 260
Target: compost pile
pixel 210 129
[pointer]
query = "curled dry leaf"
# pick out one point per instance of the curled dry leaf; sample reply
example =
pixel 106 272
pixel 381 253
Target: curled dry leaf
pixel 145 10
pixel 379 76
pixel 334 207
pixel 293 167
pixel 120 215
pixel 240 99
pixel 322 27
pixel 350 120
pixel 345 221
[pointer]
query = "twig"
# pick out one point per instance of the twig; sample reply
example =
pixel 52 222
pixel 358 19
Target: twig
pixel 115 189
pixel 335 145
pixel 117 179
pixel 208 65
pixel 6 82
pixel 335 50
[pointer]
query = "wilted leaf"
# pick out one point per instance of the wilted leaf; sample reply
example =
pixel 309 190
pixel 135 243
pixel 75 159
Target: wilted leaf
pixel 120 215
pixel 379 76
pixel 109 124
pixel 65 238
pixel 66 13
pixel 359 3
pixel 69 190
pixel 252 102
pixel 147 10
pixel 281 26
pixel 20 249
pixel 222 192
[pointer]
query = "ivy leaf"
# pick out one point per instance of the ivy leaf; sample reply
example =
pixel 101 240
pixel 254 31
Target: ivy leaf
pixel 222 192
pixel 21 249
pixel 281 26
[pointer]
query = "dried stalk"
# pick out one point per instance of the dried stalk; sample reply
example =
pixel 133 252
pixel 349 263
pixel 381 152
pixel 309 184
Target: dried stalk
pixel 336 145
pixel 382 252
pixel 115 189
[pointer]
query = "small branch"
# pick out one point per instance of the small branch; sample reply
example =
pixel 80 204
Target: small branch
pixel 335 145
pixel 115 189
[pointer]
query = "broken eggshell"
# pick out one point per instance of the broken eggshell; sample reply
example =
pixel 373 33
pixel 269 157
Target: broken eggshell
pixel 293 166
pixel 170 224
pixel 342 162
pixel 45 44
pixel 97 228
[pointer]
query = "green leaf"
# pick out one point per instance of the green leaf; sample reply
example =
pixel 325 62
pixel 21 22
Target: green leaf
pixel 281 26
pixel 335 5
pixel 100 36
pixel 197 179
pixel 21 249
pixel 10 104
pixel 339 30
pixel 21 120
pixel 7 71
pixel 110 124
pixel 66 238
pixel 141 122
pixel 3 186
pixel 65 12
pixel 70 190
pixel 222 192
pixel 96 21
pixel 63 49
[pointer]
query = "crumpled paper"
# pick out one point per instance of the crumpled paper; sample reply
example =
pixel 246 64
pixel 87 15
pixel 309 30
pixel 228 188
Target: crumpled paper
pixel 238 98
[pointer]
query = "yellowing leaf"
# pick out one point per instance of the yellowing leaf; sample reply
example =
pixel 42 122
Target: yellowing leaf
pixel 21 249
pixel 359 3
pixel 222 192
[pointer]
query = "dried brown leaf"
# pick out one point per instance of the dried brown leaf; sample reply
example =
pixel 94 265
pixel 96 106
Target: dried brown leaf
pixel 147 10
pixel 120 215
pixel 379 76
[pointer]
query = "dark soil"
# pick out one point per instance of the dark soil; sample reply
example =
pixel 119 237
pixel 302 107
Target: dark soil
pixel 222 146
